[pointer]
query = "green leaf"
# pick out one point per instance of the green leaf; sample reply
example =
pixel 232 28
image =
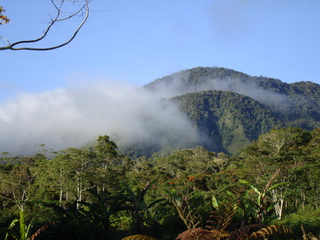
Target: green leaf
pixel 277 185
pixel 230 194
pixel 250 185
pixel 12 224
pixel 214 202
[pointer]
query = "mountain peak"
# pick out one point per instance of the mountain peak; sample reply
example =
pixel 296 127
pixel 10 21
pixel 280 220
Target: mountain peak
pixel 233 108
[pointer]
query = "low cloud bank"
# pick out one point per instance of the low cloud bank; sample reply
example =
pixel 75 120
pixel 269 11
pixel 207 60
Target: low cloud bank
pixel 74 116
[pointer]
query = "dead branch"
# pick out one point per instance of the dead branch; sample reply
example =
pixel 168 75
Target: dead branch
pixel 83 11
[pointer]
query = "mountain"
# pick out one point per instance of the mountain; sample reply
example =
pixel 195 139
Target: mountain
pixel 232 108
pixel 296 103
pixel 231 120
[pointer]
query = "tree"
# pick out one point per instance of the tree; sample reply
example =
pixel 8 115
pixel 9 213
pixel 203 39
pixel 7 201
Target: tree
pixel 16 179
pixel 82 166
pixel 106 151
pixel 280 142
pixel 67 176
pixel 60 16
pixel 109 164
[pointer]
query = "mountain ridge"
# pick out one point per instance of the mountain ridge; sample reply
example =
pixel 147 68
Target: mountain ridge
pixel 272 103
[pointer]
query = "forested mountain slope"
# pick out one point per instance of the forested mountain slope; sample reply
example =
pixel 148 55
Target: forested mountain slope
pixel 241 106
pixel 229 119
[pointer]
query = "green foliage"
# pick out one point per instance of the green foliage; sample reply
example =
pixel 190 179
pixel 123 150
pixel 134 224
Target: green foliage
pixel 23 232
pixel 106 151
pixel 87 220
pixel 259 206
pixel 190 161
pixel 307 215
pixel 230 120
pixel 143 212
pixel 97 193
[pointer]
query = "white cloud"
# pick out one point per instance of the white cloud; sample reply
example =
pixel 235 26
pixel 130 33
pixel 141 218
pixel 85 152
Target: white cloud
pixel 73 116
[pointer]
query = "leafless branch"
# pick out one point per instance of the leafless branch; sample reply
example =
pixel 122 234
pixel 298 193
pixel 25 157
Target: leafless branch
pixel 83 9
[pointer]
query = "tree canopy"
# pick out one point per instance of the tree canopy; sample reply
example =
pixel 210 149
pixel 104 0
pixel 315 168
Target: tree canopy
pixel 270 187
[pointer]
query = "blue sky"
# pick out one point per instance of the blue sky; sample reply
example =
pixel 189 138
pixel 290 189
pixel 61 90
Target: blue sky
pixel 139 41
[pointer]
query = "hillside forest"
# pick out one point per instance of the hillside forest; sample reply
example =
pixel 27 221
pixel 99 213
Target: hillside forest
pixel 230 109
pixel 269 190
pixel 246 166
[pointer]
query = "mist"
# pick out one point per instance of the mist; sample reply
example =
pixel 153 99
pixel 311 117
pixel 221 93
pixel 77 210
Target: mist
pixel 132 116
pixel 74 116
pixel 179 84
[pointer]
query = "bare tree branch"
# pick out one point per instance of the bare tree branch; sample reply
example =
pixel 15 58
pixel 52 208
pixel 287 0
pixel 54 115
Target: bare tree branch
pixel 84 10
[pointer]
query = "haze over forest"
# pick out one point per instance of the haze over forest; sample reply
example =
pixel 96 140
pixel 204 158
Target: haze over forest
pixel 75 116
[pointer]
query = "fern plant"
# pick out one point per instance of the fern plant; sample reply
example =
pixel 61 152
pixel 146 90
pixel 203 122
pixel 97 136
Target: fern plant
pixel 139 237
pixel 273 230
pixel 187 214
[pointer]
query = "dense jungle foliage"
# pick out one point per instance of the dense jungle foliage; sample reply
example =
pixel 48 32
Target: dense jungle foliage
pixel 230 120
pixel 270 190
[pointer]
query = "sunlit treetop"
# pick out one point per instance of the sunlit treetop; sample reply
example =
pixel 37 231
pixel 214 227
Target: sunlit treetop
pixel 3 18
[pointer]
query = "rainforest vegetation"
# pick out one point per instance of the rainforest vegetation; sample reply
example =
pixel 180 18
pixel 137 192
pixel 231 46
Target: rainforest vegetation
pixel 251 172
pixel 270 189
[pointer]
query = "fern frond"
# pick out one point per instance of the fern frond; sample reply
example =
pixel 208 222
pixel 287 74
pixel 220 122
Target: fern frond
pixel 139 237
pixel 40 230
pixel 223 216
pixel 272 179
pixel 201 234
pixel 307 236
pixel 245 231
pixel 270 231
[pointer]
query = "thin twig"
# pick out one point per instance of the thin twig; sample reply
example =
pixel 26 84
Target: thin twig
pixel 53 21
